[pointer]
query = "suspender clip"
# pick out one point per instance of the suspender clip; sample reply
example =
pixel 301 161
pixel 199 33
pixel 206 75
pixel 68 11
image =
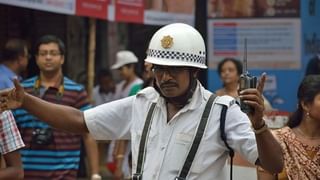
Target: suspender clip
pixel 137 176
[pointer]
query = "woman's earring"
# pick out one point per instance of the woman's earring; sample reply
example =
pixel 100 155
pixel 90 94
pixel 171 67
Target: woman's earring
pixel 307 116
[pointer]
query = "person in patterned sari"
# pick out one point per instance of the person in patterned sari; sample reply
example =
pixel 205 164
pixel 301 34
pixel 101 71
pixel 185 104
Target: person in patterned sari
pixel 300 140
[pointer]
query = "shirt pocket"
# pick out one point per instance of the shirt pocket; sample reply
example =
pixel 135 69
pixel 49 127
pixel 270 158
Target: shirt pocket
pixel 181 146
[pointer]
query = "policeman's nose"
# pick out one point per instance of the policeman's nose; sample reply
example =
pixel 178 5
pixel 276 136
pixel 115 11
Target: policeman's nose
pixel 166 76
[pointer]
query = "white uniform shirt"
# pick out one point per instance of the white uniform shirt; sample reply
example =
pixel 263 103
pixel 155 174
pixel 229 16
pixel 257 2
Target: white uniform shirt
pixel 169 143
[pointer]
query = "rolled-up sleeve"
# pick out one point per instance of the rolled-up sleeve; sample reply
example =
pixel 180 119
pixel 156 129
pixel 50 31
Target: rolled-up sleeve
pixel 111 120
pixel 240 135
pixel 10 138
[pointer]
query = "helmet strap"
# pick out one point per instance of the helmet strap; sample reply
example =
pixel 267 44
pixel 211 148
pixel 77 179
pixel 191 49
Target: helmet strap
pixel 184 99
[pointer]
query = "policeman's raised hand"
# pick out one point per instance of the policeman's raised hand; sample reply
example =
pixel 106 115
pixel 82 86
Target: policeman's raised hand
pixel 11 98
pixel 253 97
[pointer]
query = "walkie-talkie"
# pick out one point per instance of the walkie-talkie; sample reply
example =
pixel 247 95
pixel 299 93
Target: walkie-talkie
pixel 246 81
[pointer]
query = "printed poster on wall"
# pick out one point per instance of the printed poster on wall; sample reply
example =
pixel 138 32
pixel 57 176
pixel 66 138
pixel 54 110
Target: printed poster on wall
pixel 155 12
pixel 253 8
pixel 271 43
pixel 168 11
pixel 56 6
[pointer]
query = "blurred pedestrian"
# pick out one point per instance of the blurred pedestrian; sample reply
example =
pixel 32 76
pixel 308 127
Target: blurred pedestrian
pixel 229 70
pixel 300 139
pixel 14 61
pixel 51 153
pixel 104 91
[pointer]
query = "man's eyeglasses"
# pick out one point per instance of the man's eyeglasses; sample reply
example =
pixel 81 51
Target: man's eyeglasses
pixel 51 53
pixel 172 70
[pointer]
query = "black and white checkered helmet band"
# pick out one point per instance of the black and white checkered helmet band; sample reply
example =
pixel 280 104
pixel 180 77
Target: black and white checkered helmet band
pixel 181 56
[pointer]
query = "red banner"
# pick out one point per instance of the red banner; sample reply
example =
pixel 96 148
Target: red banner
pixel 92 8
pixel 156 12
pixel 130 11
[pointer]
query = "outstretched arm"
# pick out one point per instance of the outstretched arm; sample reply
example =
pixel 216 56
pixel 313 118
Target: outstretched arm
pixel 58 116
pixel 270 152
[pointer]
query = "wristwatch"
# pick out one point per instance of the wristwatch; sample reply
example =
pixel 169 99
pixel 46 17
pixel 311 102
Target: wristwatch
pixel 261 129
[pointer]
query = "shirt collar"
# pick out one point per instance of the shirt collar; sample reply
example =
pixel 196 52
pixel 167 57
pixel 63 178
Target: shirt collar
pixel 57 84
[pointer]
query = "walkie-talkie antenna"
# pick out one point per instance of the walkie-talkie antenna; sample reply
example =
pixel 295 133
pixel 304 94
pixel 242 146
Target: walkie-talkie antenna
pixel 245 68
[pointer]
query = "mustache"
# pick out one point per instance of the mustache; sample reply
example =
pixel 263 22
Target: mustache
pixel 166 84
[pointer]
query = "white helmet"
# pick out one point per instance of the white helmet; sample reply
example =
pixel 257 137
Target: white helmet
pixel 124 57
pixel 177 44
